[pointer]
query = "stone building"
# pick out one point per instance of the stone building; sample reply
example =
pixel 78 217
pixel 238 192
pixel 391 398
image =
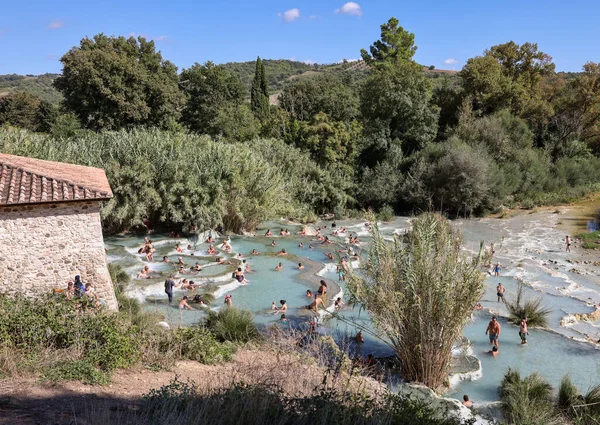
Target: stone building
pixel 50 227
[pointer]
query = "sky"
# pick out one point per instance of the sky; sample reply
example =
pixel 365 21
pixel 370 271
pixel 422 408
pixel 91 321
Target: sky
pixel 34 35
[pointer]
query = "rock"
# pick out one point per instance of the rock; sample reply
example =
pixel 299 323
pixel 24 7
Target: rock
pixel 444 407
pixel 164 325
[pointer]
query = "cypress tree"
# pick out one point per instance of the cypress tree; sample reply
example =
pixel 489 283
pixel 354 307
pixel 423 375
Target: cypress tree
pixel 259 94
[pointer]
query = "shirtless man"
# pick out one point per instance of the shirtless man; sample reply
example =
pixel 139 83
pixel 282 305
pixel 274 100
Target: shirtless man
pixel 228 301
pixel 568 240
pixel 279 267
pixel 523 331
pixel 500 290
pixel 281 253
pixel 300 266
pixel 493 352
pixel 183 304
pixel 494 330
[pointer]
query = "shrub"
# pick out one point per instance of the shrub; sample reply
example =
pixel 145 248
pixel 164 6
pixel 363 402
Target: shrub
pixel 386 213
pixel 527 401
pixel 567 393
pixel 233 325
pixel 591 240
pixel 199 344
pixel 76 370
pixel 537 315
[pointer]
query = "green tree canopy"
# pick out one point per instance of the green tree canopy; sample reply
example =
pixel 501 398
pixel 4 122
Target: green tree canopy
pixel 118 82
pixel 25 110
pixel 259 94
pixel 510 76
pixel 209 88
pixel 396 45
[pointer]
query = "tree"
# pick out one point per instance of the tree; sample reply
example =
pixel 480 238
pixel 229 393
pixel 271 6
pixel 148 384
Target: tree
pixel 118 82
pixel 395 46
pixel 510 76
pixel 20 109
pixel 420 291
pixel 259 94
pixel 396 108
pixel 209 88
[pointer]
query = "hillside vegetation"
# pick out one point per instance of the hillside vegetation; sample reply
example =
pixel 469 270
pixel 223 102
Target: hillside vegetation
pixel 40 86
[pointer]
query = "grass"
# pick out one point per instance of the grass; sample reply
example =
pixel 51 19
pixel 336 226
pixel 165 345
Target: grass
pixel 536 313
pixel 233 325
pixel 527 401
pixel 590 240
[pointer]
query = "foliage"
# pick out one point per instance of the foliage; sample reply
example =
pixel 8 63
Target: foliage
pixel 40 86
pixel 197 343
pixel 182 402
pixel 232 325
pixel 536 313
pixel 77 370
pixel 591 240
pixel 414 287
pixel 25 110
pixel 395 46
pixel 208 89
pixel 334 95
pixel 277 72
pixel 259 93
pixel 527 401
pixel 117 82
pixel 567 394
pixel 395 105
pixel 386 213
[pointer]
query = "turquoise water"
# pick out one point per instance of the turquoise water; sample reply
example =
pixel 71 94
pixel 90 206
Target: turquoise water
pixel 528 247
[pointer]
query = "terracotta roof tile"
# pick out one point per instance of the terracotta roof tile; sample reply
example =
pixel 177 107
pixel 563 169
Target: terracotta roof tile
pixel 28 180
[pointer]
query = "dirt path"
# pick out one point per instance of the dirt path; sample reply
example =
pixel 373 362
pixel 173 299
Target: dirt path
pixel 26 401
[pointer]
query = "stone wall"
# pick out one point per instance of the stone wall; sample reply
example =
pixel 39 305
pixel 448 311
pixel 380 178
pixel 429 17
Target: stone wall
pixel 44 246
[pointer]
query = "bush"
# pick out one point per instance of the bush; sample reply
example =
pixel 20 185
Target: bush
pixel 591 240
pixel 199 344
pixel 260 404
pixel 527 401
pixel 77 370
pixel 567 393
pixel 537 315
pixel 386 213
pixel 233 325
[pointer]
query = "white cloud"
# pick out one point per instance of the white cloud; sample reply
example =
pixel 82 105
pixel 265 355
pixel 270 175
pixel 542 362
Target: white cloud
pixel 309 62
pixel 290 15
pixel 312 17
pixel 450 61
pixel 56 24
pixel 348 60
pixel 160 38
pixel 350 8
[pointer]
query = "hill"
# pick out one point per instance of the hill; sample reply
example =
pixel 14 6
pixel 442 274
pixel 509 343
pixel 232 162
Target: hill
pixel 40 85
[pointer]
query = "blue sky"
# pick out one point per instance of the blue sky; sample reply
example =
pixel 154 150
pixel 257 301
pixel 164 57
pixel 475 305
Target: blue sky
pixel 34 34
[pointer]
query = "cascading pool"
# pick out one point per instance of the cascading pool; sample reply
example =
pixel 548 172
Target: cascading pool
pixel 530 249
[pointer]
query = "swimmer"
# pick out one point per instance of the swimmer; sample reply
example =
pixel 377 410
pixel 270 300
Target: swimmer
pixel 246 266
pixel 197 267
pixel 268 233
pixel 209 240
pixel 254 252
pixel 180 261
pixel 329 255
pixel 493 351
pixel 145 273
pixel 228 301
pixel 150 255
pixel 310 246
pixel 466 402
pixel 178 248
pixel 282 232
pixel 359 339
pixel 497 269
pixel 281 253
pixel 494 330
pixel 309 293
pixel 568 241
pixel 189 247
pixel 219 260
pixel 300 245
pixel 523 331
pixel 273 306
pixel 273 243
pixel 283 306
pixel 211 250
pixel 198 300
pixel 323 288
pixel 226 246
pixel 478 306
pixel 300 266
pixel 339 304
pixel 239 276
pixel 183 304
pixel 283 318
pixel 165 259
pixel 500 290
pixel 279 267
pixel 181 270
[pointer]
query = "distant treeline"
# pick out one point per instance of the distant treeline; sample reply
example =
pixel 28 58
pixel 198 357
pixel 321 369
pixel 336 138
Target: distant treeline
pixel 187 147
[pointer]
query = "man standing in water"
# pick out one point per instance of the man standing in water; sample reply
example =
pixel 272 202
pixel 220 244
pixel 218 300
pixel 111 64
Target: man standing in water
pixel 523 331
pixel 568 243
pixel 500 290
pixel 169 285
pixel 494 330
